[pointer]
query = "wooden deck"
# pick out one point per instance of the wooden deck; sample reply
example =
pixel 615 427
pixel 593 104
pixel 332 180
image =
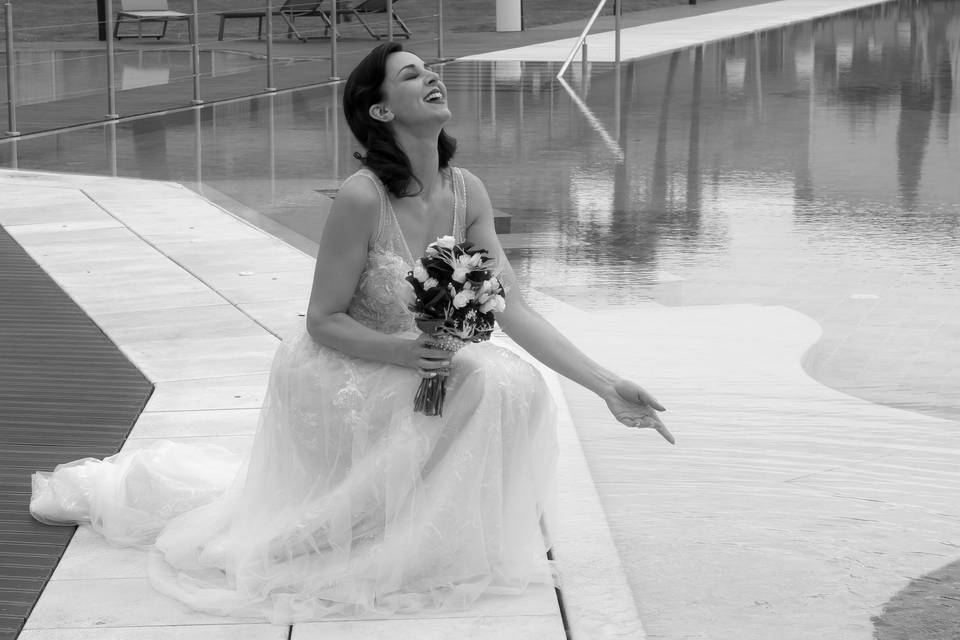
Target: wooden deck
pixel 66 392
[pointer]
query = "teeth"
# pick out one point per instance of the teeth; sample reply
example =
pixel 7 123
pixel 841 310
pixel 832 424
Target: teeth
pixel 434 95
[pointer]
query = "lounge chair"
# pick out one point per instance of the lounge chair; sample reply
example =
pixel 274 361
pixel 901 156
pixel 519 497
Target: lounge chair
pixel 290 10
pixel 365 7
pixel 141 11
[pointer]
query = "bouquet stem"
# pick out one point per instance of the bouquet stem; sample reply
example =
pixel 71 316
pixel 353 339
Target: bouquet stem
pixel 432 391
pixel 430 395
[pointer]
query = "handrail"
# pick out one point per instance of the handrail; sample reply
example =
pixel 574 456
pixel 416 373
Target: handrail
pixel 586 30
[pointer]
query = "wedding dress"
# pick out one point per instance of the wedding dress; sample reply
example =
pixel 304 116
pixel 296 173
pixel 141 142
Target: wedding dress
pixel 348 503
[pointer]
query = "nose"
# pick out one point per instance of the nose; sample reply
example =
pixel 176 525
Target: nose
pixel 432 76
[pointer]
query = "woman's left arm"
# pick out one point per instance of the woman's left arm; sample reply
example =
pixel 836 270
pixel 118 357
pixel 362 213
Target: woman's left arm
pixel 627 401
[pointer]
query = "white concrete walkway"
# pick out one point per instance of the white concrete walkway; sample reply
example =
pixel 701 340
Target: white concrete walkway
pixel 659 37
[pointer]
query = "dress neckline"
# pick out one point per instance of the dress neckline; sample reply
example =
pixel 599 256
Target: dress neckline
pixel 454 177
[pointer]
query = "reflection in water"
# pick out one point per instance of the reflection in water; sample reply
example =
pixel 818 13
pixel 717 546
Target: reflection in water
pixel 693 151
pixel 658 187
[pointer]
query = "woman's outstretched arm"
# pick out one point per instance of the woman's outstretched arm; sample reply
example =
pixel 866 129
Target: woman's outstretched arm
pixel 627 401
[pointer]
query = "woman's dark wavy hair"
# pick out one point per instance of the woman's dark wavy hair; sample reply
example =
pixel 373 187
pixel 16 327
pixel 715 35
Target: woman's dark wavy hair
pixel 384 156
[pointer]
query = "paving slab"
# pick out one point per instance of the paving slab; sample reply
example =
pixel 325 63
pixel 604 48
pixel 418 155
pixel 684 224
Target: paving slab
pixel 113 602
pixel 524 627
pixel 228 392
pixel 237 631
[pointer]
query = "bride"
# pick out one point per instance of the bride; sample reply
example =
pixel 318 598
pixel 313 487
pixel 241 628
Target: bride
pixel 349 502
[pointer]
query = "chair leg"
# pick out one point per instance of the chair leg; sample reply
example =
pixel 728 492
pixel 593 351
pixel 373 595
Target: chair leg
pixel 163 32
pixel 403 27
pixel 326 24
pixel 116 28
pixel 220 34
pixel 291 28
pixel 366 26
pixel 259 28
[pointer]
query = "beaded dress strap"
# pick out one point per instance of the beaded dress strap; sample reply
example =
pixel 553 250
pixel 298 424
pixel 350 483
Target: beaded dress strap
pixel 459 205
pixel 381 221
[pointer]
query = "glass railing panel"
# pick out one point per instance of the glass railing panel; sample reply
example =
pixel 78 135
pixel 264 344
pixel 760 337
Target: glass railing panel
pixel 59 81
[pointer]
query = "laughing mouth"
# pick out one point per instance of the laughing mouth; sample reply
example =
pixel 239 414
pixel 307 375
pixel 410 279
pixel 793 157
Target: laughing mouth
pixel 435 96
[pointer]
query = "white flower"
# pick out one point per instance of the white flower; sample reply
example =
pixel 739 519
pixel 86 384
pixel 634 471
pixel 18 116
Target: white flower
pixel 432 251
pixel 485 292
pixel 463 266
pixel 446 242
pixel 430 284
pixel 495 303
pixel 475 259
pixel 419 272
pixel 461 299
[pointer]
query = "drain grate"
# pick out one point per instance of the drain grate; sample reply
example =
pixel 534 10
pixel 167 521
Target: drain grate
pixel 66 392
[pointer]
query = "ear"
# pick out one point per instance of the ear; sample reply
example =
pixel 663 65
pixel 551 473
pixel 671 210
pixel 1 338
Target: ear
pixel 381 113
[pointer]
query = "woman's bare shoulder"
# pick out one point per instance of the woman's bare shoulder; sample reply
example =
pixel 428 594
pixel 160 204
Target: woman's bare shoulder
pixel 356 211
pixel 360 191
pixel 471 179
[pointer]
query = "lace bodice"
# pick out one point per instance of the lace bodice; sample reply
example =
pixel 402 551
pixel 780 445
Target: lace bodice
pixel 379 300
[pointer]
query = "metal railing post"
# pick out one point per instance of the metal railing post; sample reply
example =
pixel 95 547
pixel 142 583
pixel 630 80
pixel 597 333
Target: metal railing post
pixel 390 20
pixel 335 108
pixel 617 10
pixel 269 15
pixel 111 67
pixel 582 39
pixel 111 131
pixel 333 40
pixel 11 75
pixel 198 147
pixel 272 143
pixel 195 51
pixel 440 29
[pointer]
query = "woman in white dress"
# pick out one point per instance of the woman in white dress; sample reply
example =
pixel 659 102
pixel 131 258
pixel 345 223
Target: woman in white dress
pixel 349 502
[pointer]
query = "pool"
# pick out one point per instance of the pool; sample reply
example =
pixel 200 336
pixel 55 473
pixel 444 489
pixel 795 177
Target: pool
pixel 812 166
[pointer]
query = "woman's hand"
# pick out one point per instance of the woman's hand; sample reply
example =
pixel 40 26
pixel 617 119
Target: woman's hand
pixel 428 361
pixel 632 405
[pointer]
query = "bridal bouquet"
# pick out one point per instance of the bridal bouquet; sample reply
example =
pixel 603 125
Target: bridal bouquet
pixel 455 295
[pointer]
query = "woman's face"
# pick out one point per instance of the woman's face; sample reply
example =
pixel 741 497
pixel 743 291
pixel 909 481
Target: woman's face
pixel 413 94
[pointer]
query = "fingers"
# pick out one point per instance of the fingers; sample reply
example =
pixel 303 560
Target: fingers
pixel 654 403
pixel 650 422
pixel 646 398
pixel 429 367
pixel 635 393
pixel 662 430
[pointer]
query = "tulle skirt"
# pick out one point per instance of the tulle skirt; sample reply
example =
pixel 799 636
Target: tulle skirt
pixel 348 503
